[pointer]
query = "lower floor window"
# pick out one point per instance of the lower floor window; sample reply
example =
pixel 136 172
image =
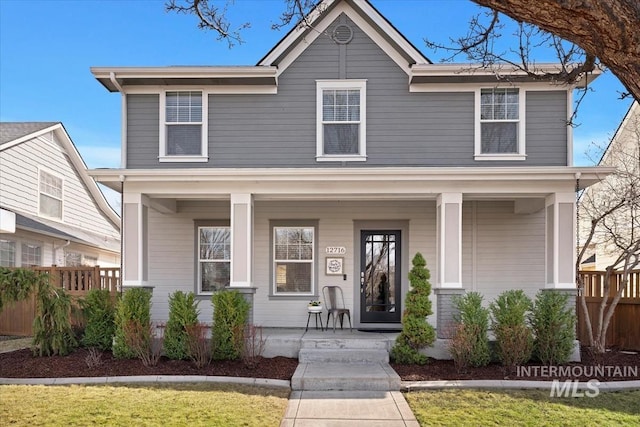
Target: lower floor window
pixel 31 255
pixel 293 260
pixel 214 258
pixel 7 253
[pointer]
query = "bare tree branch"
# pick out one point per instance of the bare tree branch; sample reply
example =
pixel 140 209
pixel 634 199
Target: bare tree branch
pixel 210 17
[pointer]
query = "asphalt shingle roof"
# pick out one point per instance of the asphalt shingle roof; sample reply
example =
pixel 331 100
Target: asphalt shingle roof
pixel 10 131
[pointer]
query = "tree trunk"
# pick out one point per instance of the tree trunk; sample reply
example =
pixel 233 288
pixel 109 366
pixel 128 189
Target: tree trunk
pixel 608 29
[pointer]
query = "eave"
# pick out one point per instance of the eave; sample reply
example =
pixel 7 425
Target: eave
pixel 263 178
pixel 437 74
pixel 116 78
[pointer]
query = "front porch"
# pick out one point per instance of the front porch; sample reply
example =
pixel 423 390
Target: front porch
pixel 480 229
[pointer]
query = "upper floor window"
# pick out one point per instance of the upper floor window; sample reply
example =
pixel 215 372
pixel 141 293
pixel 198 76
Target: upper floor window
pixel 500 124
pixel 183 132
pixel 50 195
pixel 7 253
pixel 214 259
pixel 293 260
pixel 341 115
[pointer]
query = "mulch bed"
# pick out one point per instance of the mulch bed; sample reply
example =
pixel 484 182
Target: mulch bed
pixel 22 364
pixel 628 364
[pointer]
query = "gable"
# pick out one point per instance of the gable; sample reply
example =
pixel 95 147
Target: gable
pixel 359 12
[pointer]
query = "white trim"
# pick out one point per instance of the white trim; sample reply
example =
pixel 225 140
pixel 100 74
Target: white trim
pixel 29 136
pixel 569 128
pixel 355 84
pixel 204 145
pixel 506 70
pixel 62 203
pixel 522 128
pixel 472 87
pixel 211 90
pixel 199 261
pixel 123 130
pixel 305 40
pixel 274 261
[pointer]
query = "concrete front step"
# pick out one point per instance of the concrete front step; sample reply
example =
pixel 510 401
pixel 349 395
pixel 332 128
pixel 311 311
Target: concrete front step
pixel 346 343
pixel 343 355
pixel 345 376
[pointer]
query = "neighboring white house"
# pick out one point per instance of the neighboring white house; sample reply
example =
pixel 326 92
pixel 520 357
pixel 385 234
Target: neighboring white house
pixel 335 159
pixel 623 153
pixel 51 210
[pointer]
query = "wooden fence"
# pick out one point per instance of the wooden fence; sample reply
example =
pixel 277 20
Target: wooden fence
pixel 17 318
pixel 624 329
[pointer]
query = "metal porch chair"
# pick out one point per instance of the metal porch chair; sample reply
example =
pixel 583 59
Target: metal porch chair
pixel 334 301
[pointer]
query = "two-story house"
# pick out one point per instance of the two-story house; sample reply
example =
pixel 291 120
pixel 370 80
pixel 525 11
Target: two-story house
pixel 335 159
pixel 51 210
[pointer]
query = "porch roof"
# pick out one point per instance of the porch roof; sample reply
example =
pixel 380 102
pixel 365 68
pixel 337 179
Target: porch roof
pixel 362 182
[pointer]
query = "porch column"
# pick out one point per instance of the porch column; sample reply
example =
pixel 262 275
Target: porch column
pixel 560 236
pixel 134 240
pixel 449 258
pixel 241 240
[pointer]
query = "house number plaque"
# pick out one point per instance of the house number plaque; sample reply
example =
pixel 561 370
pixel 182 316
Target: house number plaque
pixel 336 250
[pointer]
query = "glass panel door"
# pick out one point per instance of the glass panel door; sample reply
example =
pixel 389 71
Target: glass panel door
pixel 380 276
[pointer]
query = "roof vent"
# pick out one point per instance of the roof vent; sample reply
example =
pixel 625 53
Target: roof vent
pixel 342 34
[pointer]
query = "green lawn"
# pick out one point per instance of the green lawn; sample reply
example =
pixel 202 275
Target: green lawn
pixel 142 405
pixel 523 408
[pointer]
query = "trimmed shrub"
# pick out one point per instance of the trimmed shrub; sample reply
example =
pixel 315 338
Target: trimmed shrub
pixel 134 305
pixel 230 315
pixel 416 332
pixel 472 331
pixel 99 312
pixel 553 322
pixel 183 313
pixel 514 338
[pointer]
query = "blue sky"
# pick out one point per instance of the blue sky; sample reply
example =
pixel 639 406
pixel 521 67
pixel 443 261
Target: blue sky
pixel 47 47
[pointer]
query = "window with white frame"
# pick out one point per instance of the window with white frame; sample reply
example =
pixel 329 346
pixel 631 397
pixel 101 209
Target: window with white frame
pixel 293 260
pixel 501 124
pixel 31 255
pixel 7 253
pixel 89 261
pixel 183 133
pixel 214 258
pixel 50 195
pixel 341 115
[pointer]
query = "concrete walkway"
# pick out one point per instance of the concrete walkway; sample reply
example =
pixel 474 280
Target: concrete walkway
pixel 348 408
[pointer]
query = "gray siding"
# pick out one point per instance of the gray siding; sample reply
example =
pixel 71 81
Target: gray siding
pixel 143 130
pixel 403 128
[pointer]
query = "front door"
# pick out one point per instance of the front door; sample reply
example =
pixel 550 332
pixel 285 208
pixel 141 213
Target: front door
pixel 380 276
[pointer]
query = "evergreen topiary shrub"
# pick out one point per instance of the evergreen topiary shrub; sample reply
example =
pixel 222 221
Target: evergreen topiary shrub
pixel 99 312
pixel 133 306
pixel 514 338
pixel 471 333
pixel 416 333
pixel 230 316
pixel 553 322
pixel 183 313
